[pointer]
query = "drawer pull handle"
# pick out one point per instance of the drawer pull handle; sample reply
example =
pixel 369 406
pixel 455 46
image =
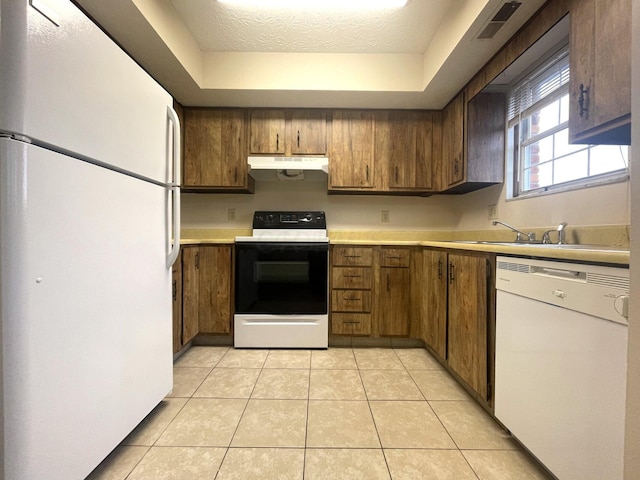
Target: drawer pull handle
pixel 353 256
pixel 352 276
pixel 351 322
pixel 352 299
pixel 393 256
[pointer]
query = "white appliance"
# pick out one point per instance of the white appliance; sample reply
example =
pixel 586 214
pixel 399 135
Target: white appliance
pixel 282 282
pixel 561 363
pixel 89 224
pixel 273 169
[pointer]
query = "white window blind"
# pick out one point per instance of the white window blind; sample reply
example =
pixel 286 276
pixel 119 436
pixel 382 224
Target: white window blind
pixel 544 81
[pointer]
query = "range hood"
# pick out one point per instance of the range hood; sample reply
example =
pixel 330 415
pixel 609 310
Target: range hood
pixel 273 169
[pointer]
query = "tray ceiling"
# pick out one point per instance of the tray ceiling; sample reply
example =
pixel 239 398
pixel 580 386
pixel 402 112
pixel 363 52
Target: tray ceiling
pixel 210 54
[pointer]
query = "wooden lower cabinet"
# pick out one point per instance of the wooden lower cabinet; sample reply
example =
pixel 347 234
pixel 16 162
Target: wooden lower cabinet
pixel 351 290
pixel 394 297
pixel 468 313
pixel 458 311
pixel 190 293
pixel 214 295
pixel 176 295
pixel 434 304
pixel 371 291
pixel 204 298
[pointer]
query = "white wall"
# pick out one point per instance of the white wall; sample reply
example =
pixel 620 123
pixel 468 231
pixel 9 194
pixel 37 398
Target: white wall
pixel 608 205
pixel 604 205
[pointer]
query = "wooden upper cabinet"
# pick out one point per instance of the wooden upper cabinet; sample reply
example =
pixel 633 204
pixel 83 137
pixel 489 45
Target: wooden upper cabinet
pixel 308 132
pixel 288 132
pixel 486 126
pixel 404 149
pixel 215 154
pixel 473 138
pixel 600 64
pixel 267 129
pixel 351 152
pixel 453 143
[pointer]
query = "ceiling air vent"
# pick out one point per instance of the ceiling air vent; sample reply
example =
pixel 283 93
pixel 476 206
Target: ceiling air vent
pixel 498 20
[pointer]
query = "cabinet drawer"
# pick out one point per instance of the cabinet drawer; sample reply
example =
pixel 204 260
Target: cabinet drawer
pixel 351 324
pixel 351 277
pixel 350 301
pixel 395 257
pixel 352 256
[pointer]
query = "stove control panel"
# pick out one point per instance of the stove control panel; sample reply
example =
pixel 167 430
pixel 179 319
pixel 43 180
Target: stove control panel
pixel 290 220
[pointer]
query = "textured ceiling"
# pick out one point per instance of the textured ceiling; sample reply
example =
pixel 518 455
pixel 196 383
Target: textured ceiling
pixel 219 27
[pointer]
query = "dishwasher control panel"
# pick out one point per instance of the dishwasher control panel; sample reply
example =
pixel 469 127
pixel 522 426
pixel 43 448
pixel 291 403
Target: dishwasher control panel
pixel 592 289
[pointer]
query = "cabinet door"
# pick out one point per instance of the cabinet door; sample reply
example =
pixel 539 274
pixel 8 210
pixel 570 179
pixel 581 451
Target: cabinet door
pixel 267 129
pixel 486 126
pixel 394 308
pixel 468 312
pixel 434 305
pixel 214 148
pixel 308 132
pixel 453 142
pixel 403 144
pixel 600 62
pixel 190 293
pixel 176 292
pixel 214 301
pixel 351 158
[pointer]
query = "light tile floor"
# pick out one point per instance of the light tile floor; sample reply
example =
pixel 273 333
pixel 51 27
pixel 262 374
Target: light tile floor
pixel 341 413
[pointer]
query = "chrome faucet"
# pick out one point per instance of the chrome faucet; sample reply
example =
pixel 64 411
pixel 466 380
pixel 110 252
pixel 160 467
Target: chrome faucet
pixel 561 234
pixel 520 235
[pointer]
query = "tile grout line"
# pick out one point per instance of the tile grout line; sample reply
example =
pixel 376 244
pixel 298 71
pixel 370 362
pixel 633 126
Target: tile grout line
pixel 241 415
pixel 373 418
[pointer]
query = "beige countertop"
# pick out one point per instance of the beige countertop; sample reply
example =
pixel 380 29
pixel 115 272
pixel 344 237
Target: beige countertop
pixel 612 242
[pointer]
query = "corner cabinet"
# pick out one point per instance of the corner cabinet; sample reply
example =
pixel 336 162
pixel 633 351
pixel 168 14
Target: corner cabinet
pixel 203 304
pixel 458 315
pixel 600 63
pixel 473 136
pixel 351 151
pixel 215 151
pixel 452 160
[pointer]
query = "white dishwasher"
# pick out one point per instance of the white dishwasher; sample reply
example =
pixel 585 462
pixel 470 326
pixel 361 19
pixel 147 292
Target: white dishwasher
pixel 561 363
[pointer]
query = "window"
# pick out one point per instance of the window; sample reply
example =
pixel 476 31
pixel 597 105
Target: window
pixel 538 137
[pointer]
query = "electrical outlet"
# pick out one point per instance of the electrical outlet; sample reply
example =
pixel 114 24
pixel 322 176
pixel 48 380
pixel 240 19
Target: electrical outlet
pixel 384 216
pixel 231 214
pixel 493 212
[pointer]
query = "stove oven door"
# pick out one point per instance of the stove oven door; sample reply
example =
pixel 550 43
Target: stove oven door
pixel 281 295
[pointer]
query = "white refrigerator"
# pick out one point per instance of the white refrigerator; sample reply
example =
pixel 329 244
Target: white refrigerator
pixel 89 228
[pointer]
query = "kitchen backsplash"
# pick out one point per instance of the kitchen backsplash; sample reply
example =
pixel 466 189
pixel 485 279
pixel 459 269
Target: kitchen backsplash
pixel 604 205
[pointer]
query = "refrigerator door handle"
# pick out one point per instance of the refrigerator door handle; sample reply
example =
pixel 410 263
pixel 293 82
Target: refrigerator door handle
pixel 173 247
